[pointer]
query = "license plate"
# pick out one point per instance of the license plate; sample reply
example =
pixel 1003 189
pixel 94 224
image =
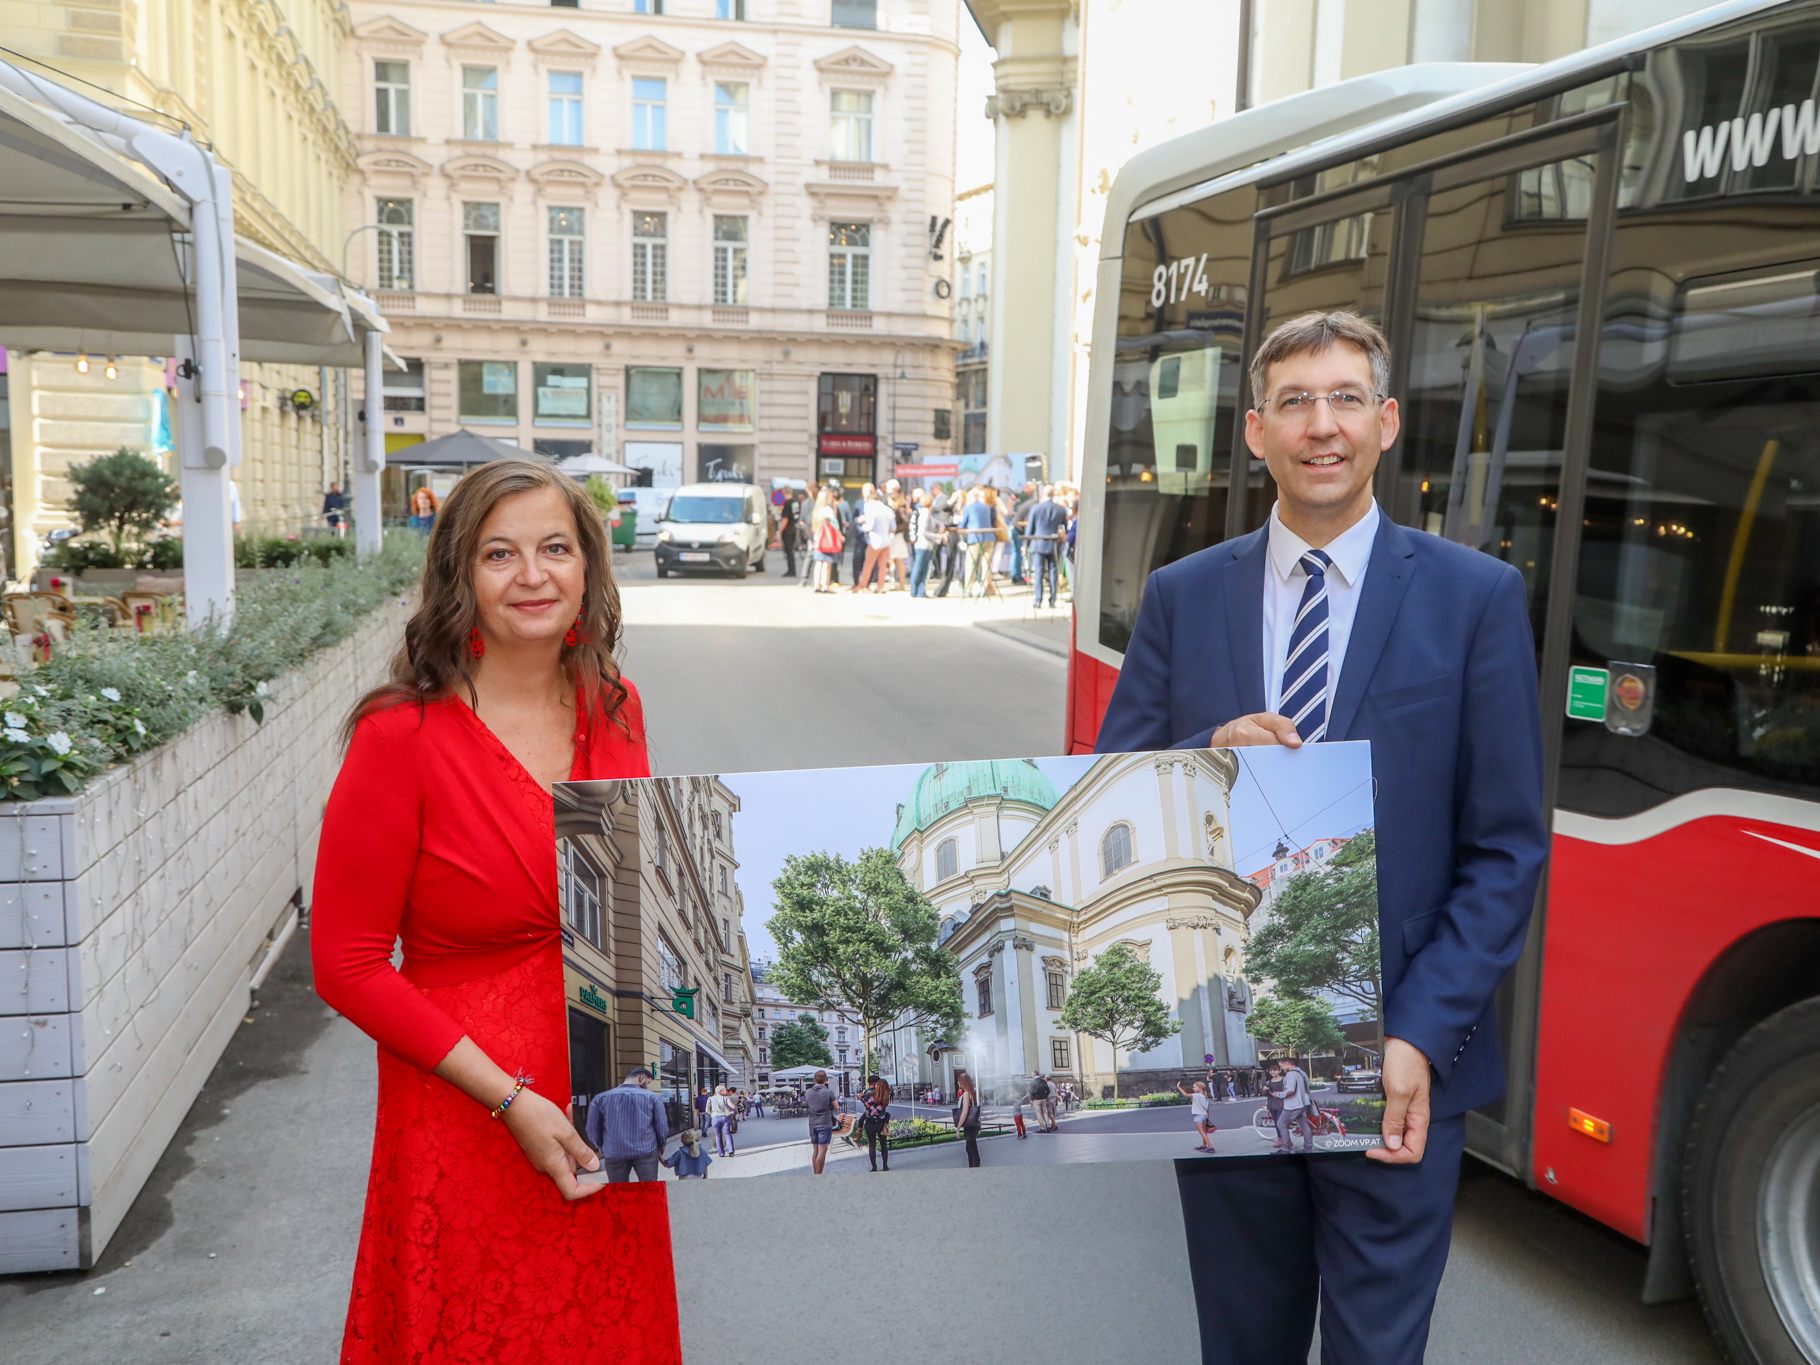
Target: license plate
pixel 695 556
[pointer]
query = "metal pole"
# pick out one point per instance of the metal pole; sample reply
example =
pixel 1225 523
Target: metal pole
pixel 1247 37
pixel 368 533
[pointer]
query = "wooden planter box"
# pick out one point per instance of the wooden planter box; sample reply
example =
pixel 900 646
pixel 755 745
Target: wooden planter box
pixel 150 899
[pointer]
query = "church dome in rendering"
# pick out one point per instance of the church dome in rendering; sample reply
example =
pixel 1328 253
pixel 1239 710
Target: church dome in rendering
pixel 944 787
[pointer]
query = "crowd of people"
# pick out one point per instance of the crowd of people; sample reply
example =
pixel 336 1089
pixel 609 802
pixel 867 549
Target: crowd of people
pixel 927 541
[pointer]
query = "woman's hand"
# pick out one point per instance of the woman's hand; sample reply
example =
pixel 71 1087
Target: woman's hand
pixel 551 1144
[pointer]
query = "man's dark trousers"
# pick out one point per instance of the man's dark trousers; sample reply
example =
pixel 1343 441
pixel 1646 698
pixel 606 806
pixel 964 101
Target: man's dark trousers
pixel 1440 676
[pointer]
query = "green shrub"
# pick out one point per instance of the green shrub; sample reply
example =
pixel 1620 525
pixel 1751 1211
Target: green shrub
pixel 919 1130
pixel 164 556
pixel 120 493
pixel 79 556
pixel 102 698
pixel 1163 1097
pixel 1110 1104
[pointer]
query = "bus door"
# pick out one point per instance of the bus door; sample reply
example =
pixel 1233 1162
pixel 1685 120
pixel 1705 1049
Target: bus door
pixel 1493 273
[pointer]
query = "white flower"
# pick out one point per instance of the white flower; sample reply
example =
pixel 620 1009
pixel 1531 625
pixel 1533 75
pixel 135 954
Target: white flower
pixel 111 693
pixel 191 678
pixel 41 691
pixel 262 691
pixel 138 726
pixel 16 735
pixel 59 742
pixel 15 721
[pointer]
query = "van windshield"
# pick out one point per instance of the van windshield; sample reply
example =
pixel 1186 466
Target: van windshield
pixel 711 511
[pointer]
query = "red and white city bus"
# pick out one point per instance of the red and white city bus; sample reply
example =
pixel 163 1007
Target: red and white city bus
pixel 1601 283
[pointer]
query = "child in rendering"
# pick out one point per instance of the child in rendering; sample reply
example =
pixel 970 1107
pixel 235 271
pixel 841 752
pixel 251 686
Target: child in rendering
pixel 690 1161
pixel 1017 1117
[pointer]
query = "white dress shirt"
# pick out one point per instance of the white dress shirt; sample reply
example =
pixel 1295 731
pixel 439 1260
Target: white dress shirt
pixel 1284 580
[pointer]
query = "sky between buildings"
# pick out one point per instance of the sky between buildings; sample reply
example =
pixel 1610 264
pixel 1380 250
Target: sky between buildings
pixel 1298 796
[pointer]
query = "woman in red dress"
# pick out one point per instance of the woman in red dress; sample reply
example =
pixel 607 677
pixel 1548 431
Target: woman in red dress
pixel 479 1244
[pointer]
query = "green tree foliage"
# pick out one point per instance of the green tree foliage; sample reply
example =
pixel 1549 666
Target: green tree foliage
pixel 1119 998
pixel 803 1042
pixel 602 492
pixel 121 492
pixel 855 936
pixel 1323 932
pixel 1300 1023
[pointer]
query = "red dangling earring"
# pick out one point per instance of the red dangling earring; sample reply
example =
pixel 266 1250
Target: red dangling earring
pixel 476 645
pixel 572 636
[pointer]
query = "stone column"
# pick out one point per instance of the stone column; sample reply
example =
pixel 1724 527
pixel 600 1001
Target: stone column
pixel 1034 184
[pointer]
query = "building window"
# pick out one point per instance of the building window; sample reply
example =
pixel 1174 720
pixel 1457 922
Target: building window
pixel 651 258
pixel 487 390
pixel 724 401
pixel 764 1057
pixel 723 881
pixel 480 231
pixel 397 244
pixel 726 984
pixel 579 885
pixel 730 9
pixel 1058 1055
pixel 729 262
pixel 841 1035
pixel 843 1056
pixel 567 226
pixel 392 98
pixel 853 13
pixel 1058 991
pixel 480 103
pixel 1115 850
pixel 726 935
pixel 942 420
pixel 850 265
pixel 654 398
pixel 851 125
pixel 669 966
pixel 983 985
pixel 732 117
pixel 647 6
pixel 717 824
pixel 761 1028
pixel 648 113
pixel 565 108
pixel 563 394
pixel 404 391
pixel 947 859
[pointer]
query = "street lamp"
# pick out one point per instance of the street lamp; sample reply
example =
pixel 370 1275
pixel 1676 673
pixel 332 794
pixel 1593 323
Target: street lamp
pixel 349 241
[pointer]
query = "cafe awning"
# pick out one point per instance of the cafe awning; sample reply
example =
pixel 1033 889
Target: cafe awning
pixel 460 448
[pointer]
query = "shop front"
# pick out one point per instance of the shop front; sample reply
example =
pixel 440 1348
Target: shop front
pixel 846 446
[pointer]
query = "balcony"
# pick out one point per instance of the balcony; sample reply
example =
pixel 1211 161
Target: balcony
pixel 393 301
pixel 531 309
pixel 481 305
pixel 567 309
pixel 730 317
pixel 649 312
pixel 841 320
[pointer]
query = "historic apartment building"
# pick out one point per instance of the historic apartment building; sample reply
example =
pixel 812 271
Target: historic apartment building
pixel 637 866
pixel 973 315
pixel 708 238
pixel 846 1043
pixel 260 85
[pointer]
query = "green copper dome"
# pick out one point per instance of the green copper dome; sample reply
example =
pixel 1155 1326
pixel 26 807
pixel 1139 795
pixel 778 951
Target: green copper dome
pixel 948 786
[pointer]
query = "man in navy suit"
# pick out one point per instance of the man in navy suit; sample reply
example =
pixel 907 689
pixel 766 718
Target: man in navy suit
pixel 1047 523
pixel 1331 623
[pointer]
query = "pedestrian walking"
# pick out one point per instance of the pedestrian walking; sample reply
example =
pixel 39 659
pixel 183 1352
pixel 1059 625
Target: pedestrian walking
pixel 334 509
pixel 1219 656
pixel 824 528
pixel 876 1121
pixel 1040 1102
pixel 821 1104
pixel 978 527
pixel 967 1115
pixel 434 834
pixel 1294 1118
pixel 724 1116
pixel 879 523
pixel 701 1109
pixel 627 1126
pixel 1200 1112
pixel 1017 1119
pixel 1273 1104
pixel 758 1104
pixel 789 519
pixel 690 1160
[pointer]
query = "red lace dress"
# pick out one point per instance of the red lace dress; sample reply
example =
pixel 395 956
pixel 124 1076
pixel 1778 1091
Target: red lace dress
pixel 435 834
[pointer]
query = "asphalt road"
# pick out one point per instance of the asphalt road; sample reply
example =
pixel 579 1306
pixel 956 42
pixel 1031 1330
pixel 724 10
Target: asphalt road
pixel 241 1246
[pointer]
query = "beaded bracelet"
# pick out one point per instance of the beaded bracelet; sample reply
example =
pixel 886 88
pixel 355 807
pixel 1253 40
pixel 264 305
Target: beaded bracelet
pixel 506 1103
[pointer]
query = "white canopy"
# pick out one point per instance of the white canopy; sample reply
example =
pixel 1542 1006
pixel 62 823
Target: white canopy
pixel 580 466
pixel 91 254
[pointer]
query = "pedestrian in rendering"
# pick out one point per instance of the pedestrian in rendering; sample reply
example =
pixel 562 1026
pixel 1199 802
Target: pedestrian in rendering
pixel 876 1121
pixel 1273 1104
pixel 721 1114
pixel 1332 622
pixel 701 1109
pixel 1040 1102
pixel 1294 1118
pixel 424 505
pixel 334 510
pixel 758 1104
pixel 1017 1119
pixel 1200 1112
pixel 437 835
pixel 821 1104
pixel 826 540
pixel 627 1126
pixel 967 1115
pixel 690 1160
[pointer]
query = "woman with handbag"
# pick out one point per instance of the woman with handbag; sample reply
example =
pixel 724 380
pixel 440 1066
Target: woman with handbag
pixel 876 1103
pixel 967 1115
pixel 824 528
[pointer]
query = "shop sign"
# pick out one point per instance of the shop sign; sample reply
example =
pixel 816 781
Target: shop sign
pixel 842 443
pixel 593 999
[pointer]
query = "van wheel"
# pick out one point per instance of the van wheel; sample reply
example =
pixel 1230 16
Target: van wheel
pixel 740 569
pixel 1750 1191
pixel 760 566
pixel 662 572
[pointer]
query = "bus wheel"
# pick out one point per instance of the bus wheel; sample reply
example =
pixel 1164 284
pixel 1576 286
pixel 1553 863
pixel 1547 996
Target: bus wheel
pixel 1750 1190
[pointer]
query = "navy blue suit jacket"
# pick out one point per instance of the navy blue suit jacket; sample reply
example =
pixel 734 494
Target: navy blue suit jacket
pixel 1440 676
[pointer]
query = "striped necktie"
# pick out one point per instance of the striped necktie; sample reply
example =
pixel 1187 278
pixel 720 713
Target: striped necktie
pixel 1305 668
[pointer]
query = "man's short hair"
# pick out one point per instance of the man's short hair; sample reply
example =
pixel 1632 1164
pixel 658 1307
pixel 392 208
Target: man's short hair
pixel 638 1073
pixel 821 1077
pixel 1314 332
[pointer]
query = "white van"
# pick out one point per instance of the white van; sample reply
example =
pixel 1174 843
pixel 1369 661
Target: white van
pixel 720 526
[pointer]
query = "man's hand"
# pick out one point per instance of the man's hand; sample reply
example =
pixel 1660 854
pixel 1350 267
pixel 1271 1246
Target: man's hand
pixel 1406 1105
pixel 1264 727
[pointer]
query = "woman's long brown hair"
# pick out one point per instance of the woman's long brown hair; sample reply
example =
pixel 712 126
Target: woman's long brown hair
pixel 434 658
pixel 962 1081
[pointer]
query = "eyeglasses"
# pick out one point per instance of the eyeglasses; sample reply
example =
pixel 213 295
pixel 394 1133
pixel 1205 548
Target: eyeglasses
pixel 1342 403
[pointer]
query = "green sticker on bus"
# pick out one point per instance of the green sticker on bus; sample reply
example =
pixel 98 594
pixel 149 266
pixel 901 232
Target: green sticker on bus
pixel 1586 689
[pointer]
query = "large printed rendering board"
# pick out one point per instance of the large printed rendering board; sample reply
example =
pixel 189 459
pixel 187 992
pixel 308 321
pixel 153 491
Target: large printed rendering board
pixel 1121 931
